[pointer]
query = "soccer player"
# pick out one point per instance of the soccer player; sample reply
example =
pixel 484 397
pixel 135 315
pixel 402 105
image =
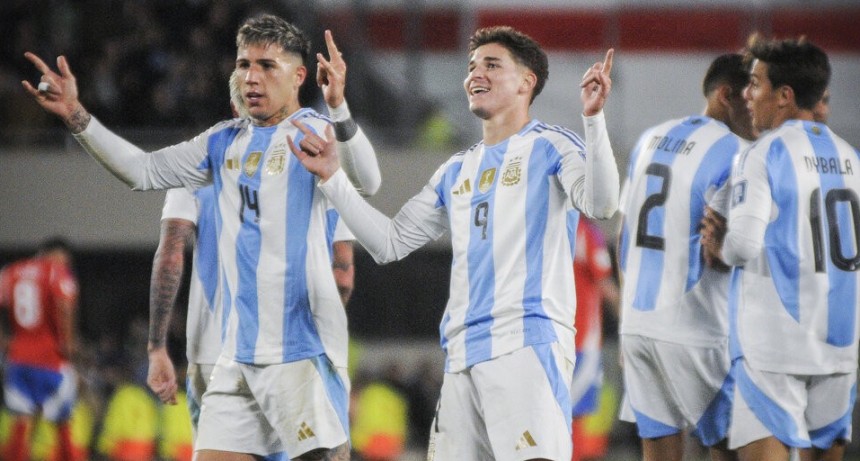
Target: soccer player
pixel 40 296
pixel 508 327
pixel 674 320
pixel 592 272
pixel 283 318
pixel 794 239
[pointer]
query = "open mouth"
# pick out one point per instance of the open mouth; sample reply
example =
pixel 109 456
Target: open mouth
pixel 476 90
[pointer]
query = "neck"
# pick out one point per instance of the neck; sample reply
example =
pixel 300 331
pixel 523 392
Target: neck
pixel 278 116
pixel 502 126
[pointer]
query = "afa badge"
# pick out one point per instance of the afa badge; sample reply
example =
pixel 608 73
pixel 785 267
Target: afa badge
pixel 512 174
pixel 487 178
pixel 277 161
pixel 251 163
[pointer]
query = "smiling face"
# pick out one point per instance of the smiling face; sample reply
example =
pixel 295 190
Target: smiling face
pixel 496 82
pixel 269 81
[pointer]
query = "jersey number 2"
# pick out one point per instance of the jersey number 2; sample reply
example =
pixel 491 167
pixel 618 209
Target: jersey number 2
pixel 643 237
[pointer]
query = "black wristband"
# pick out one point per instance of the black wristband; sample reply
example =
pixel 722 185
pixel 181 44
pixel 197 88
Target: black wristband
pixel 345 130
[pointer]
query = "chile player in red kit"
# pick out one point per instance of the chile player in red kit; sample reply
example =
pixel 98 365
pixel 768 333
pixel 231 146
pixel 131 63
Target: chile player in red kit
pixel 39 296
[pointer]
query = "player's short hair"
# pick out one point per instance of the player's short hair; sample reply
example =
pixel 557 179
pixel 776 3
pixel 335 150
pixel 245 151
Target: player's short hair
pixel 727 69
pixel 52 244
pixel 268 28
pixel 797 63
pixel 525 50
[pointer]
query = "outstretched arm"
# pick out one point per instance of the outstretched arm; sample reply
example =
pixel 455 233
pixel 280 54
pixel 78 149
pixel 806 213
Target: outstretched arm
pixel 357 156
pixel 167 269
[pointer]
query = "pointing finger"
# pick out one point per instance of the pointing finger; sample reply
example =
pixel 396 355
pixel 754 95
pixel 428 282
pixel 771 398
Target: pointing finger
pixel 607 62
pixel 333 52
pixel 37 61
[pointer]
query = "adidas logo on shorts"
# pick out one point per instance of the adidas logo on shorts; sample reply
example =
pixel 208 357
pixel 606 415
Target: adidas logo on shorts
pixel 305 432
pixel 526 441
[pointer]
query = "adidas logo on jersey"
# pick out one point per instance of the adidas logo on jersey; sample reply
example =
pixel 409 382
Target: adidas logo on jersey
pixel 526 441
pixel 305 432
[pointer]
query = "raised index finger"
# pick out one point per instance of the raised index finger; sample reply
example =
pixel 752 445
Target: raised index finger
pixel 333 52
pixel 607 62
pixel 37 61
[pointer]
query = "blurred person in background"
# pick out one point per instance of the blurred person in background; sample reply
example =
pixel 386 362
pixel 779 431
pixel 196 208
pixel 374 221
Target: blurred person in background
pixel 596 289
pixel 40 298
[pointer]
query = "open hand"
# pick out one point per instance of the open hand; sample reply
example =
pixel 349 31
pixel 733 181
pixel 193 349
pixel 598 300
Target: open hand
pixel 58 93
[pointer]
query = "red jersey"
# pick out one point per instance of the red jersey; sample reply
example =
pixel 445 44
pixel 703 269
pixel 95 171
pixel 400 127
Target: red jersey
pixel 591 265
pixel 32 290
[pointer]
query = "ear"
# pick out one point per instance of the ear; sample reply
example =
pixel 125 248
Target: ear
pixel 724 95
pixel 529 82
pixel 785 95
pixel 301 75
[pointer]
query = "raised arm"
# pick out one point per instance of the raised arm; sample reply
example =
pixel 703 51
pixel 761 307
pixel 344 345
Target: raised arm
pixel 57 93
pixel 597 195
pixel 167 269
pixel 357 157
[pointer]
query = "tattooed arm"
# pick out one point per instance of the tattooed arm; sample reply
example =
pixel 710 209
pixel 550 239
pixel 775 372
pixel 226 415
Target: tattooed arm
pixel 167 268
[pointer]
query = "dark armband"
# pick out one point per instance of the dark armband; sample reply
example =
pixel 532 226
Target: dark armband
pixel 345 130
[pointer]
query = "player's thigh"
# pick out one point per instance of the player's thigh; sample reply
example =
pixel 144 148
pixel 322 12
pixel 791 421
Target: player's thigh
pixel 672 387
pixel 231 420
pixel 526 402
pixel 458 430
pixel 768 405
pixel 830 405
pixel 196 381
pixel 57 406
pixel 306 402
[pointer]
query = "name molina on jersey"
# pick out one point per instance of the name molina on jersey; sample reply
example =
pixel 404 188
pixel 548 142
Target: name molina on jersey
pixel 672 145
pixel 825 165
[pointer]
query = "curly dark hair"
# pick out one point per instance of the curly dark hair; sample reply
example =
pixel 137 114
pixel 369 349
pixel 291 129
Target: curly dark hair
pixel 525 50
pixel 797 63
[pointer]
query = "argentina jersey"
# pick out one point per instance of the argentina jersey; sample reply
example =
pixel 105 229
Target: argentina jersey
pixel 668 292
pixel 511 277
pixel 794 306
pixel 279 298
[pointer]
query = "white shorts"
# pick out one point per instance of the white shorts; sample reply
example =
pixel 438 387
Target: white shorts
pixel 799 410
pixel 294 407
pixel 196 381
pixel 511 408
pixel 672 387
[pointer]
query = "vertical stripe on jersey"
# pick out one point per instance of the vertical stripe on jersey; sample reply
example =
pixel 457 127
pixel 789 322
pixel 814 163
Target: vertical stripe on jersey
pixel 560 390
pixel 482 272
pixel 206 265
pixel 542 156
pixel 248 248
pixel 781 236
pixel 216 152
pixel 300 332
pixel 841 297
pixel 650 281
pixel 331 218
pixel 712 172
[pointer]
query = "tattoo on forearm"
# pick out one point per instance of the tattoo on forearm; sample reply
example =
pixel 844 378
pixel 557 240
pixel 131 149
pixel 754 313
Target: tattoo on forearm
pixel 79 120
pixel 167 269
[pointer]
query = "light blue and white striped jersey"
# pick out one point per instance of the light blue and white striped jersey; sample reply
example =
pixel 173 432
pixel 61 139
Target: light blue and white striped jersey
pixel 203 322
pixel 668 292
pixel 279 298
pixel 794 307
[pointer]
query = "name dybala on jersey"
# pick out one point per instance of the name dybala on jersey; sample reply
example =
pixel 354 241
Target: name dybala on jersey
pixel 794 306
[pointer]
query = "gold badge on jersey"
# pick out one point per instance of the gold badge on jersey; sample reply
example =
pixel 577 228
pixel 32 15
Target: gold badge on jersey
pixel 816 130
pixel 487 178
pixel 513 172
pixel 464 188
pixel 251 163
pixel 277 161
pixel 232 163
